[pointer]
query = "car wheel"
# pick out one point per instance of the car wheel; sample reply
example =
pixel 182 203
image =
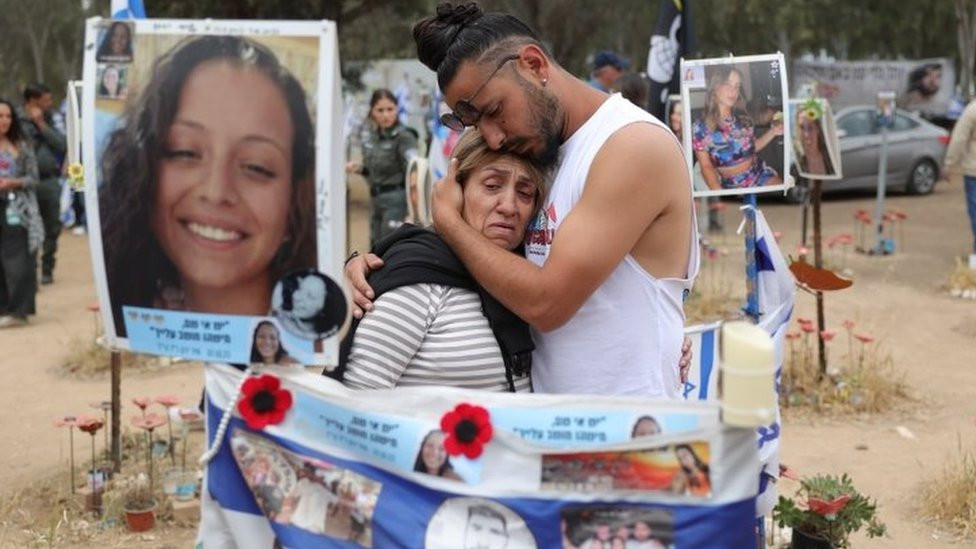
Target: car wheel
pixel 923 177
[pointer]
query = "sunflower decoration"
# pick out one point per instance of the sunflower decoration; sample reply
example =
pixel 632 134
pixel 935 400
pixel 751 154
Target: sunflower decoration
pixel 76 176
pixel 812 109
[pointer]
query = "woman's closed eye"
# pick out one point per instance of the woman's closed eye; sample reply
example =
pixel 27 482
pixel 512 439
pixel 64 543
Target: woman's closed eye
pixel 259 170
pixel 181 153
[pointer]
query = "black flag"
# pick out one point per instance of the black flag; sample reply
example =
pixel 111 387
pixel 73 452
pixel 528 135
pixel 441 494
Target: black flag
pixel 671 39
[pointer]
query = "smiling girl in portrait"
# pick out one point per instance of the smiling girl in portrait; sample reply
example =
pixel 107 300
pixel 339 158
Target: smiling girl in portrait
pixel 208 192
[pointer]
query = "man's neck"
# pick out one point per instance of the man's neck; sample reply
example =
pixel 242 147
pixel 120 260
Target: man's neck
pixel 579 101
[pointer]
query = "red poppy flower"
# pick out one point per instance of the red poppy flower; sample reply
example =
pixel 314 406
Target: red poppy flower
pixel 141 402
pixel 801 321
pixel 90 425
pixel 148 421
pixel 864 338
pixel 828 508
pixel 827 335
pixel 168 400
pixel 264 402
pixel 898 214
pixel 792 335
pixel 848 325
pixel 843 238
pixel 468 429
pixel 808 328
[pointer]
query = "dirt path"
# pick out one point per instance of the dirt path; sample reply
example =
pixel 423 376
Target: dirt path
pixel 932 338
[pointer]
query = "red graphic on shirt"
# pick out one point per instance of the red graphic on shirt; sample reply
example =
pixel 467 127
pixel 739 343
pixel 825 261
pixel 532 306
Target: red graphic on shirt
pixel 541 230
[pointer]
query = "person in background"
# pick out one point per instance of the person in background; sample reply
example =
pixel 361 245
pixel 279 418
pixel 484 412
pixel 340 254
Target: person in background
pixel 633 87
pixel 21 231
pixel 50 147
pixel 960 160
pixel 386 153
pixel 607 67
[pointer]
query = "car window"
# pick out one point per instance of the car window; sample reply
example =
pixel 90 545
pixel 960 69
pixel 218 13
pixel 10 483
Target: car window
pixel 857 123
pixel 903 123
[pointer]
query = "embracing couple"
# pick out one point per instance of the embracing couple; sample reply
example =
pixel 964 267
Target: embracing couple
pixel 592 195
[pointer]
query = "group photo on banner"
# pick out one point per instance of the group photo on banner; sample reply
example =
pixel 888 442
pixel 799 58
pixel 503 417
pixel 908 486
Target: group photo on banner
pixel 206 185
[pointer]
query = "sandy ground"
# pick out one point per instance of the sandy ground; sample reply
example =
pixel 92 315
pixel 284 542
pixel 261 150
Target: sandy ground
pixel 899 298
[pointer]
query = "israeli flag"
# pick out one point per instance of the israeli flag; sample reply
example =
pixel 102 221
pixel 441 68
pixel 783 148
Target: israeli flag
pixel 777 291
pixel 128 9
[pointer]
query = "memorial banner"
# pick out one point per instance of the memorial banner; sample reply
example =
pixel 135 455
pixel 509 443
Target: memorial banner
pixel 442 467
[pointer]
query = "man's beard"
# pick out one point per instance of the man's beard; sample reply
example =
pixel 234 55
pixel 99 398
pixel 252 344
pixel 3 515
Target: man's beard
pixel 545 115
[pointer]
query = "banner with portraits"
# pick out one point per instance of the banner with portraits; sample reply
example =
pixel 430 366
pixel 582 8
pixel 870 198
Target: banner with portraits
pixel 816 147
pixel 734 127
pixel 920 85
pixel 215 196
pixel 441 467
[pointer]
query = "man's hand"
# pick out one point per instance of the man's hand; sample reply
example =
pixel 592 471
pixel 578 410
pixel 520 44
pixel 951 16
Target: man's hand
pixel 684 363
pixel 447 199
pixel 355 272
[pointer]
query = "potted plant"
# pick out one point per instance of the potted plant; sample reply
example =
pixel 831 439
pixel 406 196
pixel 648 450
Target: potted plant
pixel 830 509
pixel 135 499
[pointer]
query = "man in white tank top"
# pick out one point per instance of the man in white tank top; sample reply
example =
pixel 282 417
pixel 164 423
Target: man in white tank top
pixel 614 249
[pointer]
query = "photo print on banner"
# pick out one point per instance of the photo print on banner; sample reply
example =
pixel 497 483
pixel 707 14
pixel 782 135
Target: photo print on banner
pixel 205 186
pixel 630 527
pixel 734 122
pixel 304 492
pixel 816 148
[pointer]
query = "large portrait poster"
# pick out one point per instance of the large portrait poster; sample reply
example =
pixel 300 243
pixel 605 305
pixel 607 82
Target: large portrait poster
pixel 736 132
pixel 815 144
pixel 213 172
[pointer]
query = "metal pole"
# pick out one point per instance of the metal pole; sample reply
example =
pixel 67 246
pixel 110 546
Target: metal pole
pixel 751 308
pixel 882 183
pixel 818 263
pixel 116 410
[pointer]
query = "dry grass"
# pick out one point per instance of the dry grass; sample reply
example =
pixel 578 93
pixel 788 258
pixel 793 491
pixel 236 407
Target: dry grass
pixel 46 514
pixel 713 297
pixel 951 497
pixel 87 359
pixel 863 380
pixel 962 280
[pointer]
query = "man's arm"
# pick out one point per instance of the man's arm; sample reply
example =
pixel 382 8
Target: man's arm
pixel 632 180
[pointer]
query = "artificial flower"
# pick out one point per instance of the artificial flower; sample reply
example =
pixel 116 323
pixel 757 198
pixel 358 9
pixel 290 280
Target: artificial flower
pixel 66 421
pixel 168 400
pixel 149 421
pixel 264 402
pixel 90 425
pixel 827 335
pixel 142 403
pixel 864 338
pixel 468 429
pixel 828 509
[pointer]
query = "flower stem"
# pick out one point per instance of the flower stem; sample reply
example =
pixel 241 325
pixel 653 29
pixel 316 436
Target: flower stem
pixel 172 453
pixel 71 444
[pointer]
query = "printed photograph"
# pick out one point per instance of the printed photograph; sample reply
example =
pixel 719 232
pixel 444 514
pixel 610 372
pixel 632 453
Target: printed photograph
pixel 476 523
pixel 677 469
pixel 736 131
pixel 816 149
pixel 617 527
pixel 307 493
pixel 206 167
